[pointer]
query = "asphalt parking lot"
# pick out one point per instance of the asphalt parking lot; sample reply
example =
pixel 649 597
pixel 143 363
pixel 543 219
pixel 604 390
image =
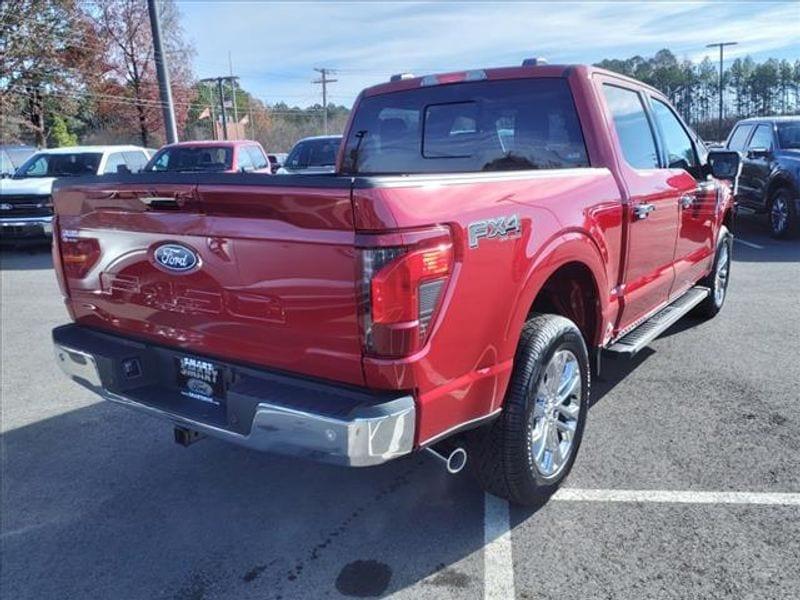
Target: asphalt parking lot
pixel 98 502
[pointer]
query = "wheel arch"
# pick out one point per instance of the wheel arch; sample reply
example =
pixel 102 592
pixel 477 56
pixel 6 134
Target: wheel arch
pixel 777 181
pixel 567 280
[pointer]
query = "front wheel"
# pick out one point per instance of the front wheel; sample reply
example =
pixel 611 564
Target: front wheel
pixel 530 448
pixel 719 278
pixel 782 214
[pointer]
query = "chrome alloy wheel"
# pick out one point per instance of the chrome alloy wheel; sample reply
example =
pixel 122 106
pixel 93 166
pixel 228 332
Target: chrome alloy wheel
pixel 779 215
pixel 721 276
pixel 554 417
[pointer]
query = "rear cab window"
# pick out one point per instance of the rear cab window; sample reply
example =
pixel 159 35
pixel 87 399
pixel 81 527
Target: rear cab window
pixel 518 124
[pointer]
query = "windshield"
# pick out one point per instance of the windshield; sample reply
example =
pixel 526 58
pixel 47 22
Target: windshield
pixel 60 165
pixel 6 166
pixel 313 153
pixel 200 158
pixel 789 135
pixel 467 127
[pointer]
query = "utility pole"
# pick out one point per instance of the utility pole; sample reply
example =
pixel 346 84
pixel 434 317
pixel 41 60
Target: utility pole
pixel 324 80
pixel 721 46
pixel 233 90
pixel 219 81
pixel 163 74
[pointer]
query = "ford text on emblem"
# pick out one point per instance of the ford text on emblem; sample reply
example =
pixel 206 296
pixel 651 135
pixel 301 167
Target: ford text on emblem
pixel 176 258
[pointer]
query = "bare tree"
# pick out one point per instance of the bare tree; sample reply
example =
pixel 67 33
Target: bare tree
pixel 128 88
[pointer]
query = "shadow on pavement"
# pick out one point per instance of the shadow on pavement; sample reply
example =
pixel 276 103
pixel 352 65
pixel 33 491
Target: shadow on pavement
pixel 100 503
pixel 26 257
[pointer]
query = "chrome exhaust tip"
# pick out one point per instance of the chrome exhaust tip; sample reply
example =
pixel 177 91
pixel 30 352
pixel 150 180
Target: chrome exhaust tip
pixel 455 459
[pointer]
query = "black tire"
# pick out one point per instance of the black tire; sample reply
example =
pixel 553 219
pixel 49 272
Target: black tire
pixel 709 307
pixel 501 454
pixel 782 214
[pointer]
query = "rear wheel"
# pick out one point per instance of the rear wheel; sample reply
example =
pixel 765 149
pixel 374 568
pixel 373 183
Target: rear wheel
pixel 717 281
pixel 530 448
pixel 782 214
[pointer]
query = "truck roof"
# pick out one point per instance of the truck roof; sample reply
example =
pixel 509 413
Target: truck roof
pixel 516 72
pixel 773 119
pixel 193 143
pixel 78 149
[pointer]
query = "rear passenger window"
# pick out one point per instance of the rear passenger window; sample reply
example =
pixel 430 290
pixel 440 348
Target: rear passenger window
pixel 632 127
pixel 467 127
pixel 739 137
pixel 762 138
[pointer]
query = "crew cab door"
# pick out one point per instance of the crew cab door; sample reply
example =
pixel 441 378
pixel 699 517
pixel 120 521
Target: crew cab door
pixel 756 166
pixel 694 194
pixel 651 211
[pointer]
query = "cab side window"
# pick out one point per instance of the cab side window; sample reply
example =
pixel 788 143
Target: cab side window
pixel 135 161
pixel 115 160
pixel 632 127
pixel 678 145
pixel 762 138
pixel 257 156
pixel 245 162
pixel 739 137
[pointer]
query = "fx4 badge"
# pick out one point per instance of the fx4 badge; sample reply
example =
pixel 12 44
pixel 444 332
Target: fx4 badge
pixel 500 227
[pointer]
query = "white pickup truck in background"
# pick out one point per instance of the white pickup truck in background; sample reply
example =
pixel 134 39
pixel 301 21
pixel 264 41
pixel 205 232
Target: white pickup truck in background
pixel 26 204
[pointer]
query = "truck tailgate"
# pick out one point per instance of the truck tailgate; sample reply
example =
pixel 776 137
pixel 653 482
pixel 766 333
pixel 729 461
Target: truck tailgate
pixel 258 271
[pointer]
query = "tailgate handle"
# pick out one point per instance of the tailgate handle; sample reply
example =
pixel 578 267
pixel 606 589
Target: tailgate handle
pixel 163 201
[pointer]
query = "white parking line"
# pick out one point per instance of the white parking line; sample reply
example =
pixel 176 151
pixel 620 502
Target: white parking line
pixel 498 565
pixel 748 244
pixel 677 497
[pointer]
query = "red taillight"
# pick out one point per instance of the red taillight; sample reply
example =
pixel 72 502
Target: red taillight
pixel 395 288
pixel 78 255
pixel 402 288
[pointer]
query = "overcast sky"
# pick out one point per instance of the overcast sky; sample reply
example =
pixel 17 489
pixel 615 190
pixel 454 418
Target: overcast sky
pixel 275 45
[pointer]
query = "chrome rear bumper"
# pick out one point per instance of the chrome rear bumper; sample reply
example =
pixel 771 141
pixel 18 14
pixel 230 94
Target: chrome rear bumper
pixel 369 434
pixel 26 226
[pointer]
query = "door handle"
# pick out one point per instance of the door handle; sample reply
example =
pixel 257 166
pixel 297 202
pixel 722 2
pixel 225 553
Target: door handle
pixel 642 211
pixel 687 200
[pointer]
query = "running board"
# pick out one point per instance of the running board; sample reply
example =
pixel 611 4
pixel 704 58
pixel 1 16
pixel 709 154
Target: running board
pixel 635 340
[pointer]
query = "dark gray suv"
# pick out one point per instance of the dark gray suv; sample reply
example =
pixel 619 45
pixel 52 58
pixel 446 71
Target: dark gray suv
pixel 770 180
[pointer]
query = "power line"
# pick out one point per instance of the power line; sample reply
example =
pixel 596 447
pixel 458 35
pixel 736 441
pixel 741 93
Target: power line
pixel 324 81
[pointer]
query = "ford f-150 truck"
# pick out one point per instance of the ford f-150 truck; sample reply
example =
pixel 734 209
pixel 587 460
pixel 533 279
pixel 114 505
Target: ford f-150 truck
pixel 486 237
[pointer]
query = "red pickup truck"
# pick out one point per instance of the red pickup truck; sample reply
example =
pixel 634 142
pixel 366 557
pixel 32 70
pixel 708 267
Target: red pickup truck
pixel 486 237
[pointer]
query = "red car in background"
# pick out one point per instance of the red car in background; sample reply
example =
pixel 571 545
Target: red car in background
pixel 237 156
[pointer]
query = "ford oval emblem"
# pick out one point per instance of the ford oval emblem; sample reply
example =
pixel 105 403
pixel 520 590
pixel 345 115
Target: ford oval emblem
pixel 176 258
pixel 200 387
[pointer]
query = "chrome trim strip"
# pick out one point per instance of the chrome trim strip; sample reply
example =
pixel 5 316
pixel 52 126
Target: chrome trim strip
pixel 375 435
pixel 25 221
pixel 461 426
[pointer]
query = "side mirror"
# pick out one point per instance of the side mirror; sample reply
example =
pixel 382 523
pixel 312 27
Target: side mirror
pixel 725 164
pixel 759 153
